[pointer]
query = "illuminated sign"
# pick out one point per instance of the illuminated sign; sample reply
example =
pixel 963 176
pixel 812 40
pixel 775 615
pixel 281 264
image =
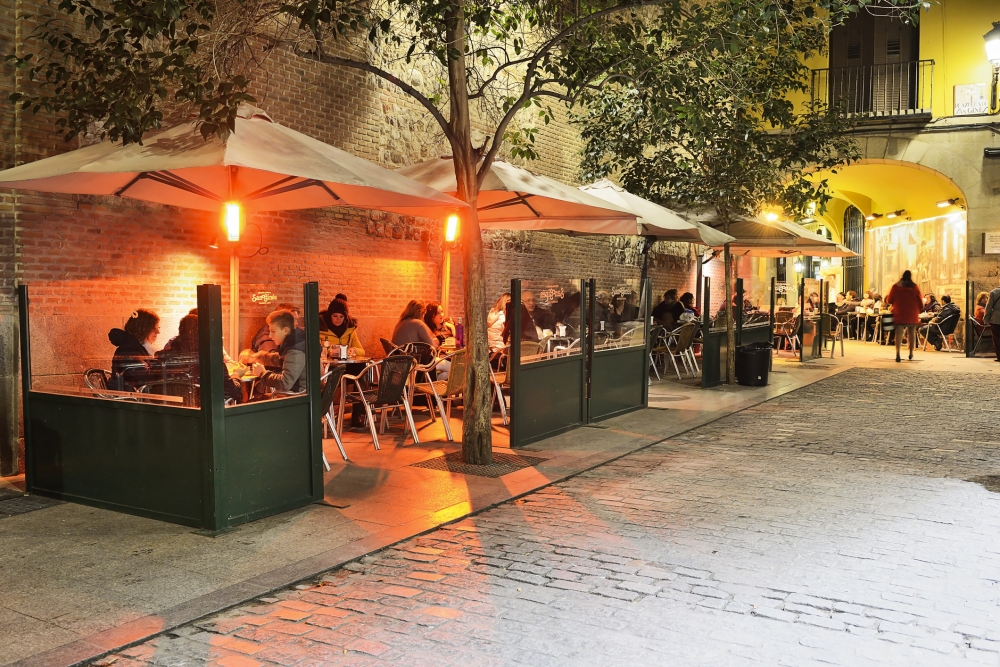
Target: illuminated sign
pixel 264 298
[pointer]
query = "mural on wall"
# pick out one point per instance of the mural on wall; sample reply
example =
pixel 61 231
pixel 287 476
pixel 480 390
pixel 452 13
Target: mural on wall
pixel 627 251
pixel 507 240
pixel 934 250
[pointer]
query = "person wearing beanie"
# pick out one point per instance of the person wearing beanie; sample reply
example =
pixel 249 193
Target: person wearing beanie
pixel 338 328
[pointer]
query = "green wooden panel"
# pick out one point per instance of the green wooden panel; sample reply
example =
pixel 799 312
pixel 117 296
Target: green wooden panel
pixel 617 381
pixel 269 464
pixel 133 458
pixel 756 334
pixel 550 398
pixel 713 359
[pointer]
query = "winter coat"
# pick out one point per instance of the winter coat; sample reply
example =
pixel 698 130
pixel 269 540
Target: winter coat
pixel 129 365
pixel 348 338
pixel 906 302
pixel 992 315
pixel 292 353
pixel 948 317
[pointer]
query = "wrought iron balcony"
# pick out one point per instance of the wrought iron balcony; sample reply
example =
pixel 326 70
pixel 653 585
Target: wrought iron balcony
pixel 892 89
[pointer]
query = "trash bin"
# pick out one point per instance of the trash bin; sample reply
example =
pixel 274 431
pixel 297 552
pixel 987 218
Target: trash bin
pixel 753 361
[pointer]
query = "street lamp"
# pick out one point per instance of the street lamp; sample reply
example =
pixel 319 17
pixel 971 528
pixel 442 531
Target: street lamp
pixel 451 228
pixel 993 55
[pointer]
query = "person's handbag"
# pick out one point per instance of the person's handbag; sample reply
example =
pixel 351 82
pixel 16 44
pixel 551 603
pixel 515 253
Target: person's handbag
pixel 888 323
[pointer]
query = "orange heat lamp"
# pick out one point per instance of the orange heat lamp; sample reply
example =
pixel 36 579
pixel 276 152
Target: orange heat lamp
pixel 451 228
pixel 233 219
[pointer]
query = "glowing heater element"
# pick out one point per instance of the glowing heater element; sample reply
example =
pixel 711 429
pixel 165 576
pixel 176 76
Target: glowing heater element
pixel 232 220
pixel 451 229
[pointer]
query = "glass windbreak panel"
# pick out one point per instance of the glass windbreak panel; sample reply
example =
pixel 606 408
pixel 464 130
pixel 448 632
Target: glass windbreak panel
pixel 550 319
pixel 273 364
pixel 619 315
pixel 147 354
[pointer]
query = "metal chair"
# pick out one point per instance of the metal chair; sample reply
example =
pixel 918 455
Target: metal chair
pixel 681 347
pixel 788 331
pixel 659 349
pixel 390 394
pixel 444 391
pixel 333 380
pixel 982 330
pixel 499 378
pixel 184 388
pixel 833 331
pixel 97 380
pixel 944 336
pixel 389 347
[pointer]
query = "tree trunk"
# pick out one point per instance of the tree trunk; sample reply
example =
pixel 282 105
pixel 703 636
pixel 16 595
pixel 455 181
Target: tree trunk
pixel 477 427
pixel 730 323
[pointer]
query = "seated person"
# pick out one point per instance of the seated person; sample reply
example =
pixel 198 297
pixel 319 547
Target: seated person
pixel 947 319
pixel 291 355
pixel 337 327
pixel 690 313
pixel 668 312
pixel 262 339
pixel 563 310
pixel 130 363
pixel 411 329
pixel 528 329
pixel 982 299
pixel 434 318
pixel 181 355
pixel 602 307
pixel 541 317
pixel 495 320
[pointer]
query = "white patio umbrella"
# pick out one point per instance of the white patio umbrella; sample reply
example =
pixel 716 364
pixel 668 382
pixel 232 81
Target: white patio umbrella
pixel 656 220
pixel 514 198
pixel 763 238
pixel 262 166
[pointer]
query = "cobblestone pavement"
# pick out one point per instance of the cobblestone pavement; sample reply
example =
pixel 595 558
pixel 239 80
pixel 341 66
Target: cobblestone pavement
pixel 833 525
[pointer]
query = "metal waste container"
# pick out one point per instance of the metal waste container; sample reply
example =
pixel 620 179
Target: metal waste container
pixel 753 362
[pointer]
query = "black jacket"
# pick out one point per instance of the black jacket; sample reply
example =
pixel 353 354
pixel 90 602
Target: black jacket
pixel 129 365
pixel 948 317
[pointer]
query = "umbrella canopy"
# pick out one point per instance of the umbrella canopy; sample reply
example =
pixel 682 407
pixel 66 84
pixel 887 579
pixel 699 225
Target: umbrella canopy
pixel 813 251
pixel 759 238
pixel 263 165
pixel 515 198
pixel 656 220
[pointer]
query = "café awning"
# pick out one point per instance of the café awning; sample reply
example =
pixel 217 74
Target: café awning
pixel 517 199
pixel 763 238
pixel 262 165
pixel 655 220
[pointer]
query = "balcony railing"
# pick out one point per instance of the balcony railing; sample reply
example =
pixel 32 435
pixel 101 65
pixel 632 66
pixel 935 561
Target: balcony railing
pixel 892 89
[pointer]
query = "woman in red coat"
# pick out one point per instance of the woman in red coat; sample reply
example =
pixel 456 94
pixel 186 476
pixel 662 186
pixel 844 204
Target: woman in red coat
pixel 906 302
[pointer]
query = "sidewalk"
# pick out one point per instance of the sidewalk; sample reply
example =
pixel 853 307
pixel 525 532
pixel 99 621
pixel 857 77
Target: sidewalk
pixel 79 582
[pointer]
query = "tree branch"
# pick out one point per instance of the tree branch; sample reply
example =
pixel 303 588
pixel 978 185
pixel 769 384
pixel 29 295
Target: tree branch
pixel 391 78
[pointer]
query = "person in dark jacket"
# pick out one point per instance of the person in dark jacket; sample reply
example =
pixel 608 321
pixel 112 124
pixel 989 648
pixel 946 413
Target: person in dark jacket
pixel 947 319
pixel 133 350
pixel 182 356
pixel 291 354
pixel 262 339
pixel 991 317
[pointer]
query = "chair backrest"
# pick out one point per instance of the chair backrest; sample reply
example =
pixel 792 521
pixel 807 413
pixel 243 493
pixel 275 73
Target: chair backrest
pixel 387 346
pixel 330 388
pixel 456 375
pixel 529 348
pixel 685 337
pixel 392 379
pixel 949 322
pixel 181 388
pixel 422 352
pixel 96 379
pixel 831 324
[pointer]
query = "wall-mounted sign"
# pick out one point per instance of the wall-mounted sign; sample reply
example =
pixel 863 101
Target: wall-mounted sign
pixel 971 99
pixel 991 243
pixel 264 298
pixel 621 290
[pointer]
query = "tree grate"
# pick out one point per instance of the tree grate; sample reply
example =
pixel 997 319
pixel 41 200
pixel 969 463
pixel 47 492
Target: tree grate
pixel 25 504
pixel 503 464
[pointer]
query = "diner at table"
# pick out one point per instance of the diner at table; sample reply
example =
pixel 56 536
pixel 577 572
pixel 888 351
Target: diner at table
pixel 134 347
pixel 495 320
pixel 338 329
pixel 290 356
pixel 668 312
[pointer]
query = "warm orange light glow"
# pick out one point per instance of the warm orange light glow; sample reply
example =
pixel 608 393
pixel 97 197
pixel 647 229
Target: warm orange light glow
pixel 451 229
pixel 771 216
pixel 232 220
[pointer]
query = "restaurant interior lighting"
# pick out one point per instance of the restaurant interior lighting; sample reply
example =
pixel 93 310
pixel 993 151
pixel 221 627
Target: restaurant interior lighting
pixel 232 220
pixel 895 214
pixel 945 203
pixel 799 266
pixel 451 228
pixel 873 216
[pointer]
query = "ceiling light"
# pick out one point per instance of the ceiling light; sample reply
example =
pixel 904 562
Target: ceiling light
pixel 873 216
pixel 895 214
pixel 993 45
pixel 945 203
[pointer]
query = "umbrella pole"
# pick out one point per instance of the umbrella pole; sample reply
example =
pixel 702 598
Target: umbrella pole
pixel 234 304
pixel 445 278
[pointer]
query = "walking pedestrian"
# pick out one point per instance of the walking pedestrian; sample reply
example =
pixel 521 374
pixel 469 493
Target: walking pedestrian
pixel 992 318
pixel 906 302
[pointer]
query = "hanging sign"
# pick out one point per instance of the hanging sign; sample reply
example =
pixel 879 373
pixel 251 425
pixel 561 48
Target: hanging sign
pixel 264 298
pixel 991 243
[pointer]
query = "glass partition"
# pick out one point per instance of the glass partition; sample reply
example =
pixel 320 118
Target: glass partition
pixel 620 314
pixel 144 354
pixel 550 319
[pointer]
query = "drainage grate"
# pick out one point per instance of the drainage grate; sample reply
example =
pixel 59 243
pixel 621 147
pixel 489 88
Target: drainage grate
pixel 25 504
pixel 503 464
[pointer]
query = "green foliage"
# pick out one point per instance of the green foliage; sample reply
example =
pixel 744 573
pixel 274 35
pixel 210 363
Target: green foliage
pixel 704 120
pixel 119 64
